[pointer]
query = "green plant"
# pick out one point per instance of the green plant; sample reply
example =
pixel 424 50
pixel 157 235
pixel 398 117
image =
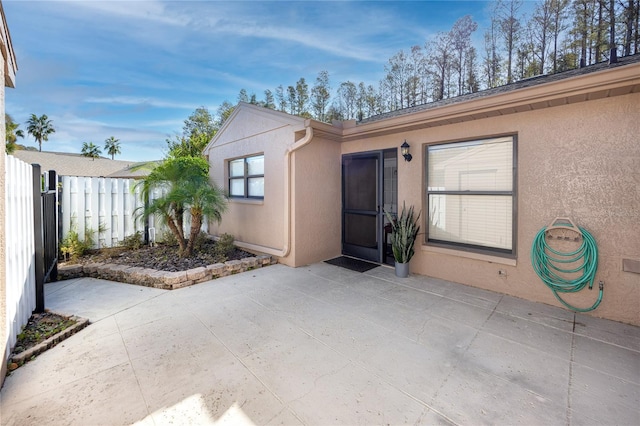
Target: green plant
pixel 188 189
pixel 200 241
pixel 404 230
pixel 225 245
pixel 169 238
pixel 133 241
pixel 72 247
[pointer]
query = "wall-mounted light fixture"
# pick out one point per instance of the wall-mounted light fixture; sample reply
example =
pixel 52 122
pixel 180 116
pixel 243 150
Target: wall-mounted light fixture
pixel 404 150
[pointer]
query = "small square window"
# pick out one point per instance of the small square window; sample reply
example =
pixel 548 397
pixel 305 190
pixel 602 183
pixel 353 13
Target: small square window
pixel 246 177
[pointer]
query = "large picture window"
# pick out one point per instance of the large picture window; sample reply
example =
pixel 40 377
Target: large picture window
pixel 246 177
pixel 470 194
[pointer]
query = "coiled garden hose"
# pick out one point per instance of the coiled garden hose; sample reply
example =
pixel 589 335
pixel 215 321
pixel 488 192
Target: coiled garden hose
pixel 547 262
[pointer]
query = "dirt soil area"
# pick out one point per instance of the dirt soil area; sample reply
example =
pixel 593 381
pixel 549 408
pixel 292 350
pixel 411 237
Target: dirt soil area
pixel 164 257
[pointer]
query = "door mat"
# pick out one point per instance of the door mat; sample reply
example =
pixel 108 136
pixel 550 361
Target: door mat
pixel 352 264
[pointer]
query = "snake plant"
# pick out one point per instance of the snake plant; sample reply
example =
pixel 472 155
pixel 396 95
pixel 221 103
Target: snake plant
pixel 404 230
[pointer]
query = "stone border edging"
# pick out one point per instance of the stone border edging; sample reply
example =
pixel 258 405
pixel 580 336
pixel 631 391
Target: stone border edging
pixel 162 279
pixel 24 356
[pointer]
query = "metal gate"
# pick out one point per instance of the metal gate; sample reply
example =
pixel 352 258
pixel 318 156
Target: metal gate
pixel 45 205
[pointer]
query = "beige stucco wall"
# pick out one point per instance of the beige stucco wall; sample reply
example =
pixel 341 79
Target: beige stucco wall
pixel 317 202
pixel 580 160
pixel 259 222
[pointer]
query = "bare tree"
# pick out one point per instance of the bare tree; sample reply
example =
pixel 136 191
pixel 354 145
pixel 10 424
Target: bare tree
pixel 460 36
pixel 440 61
pixel 320 95
pixel 558 16
pixel 630 20
pixel 268 100
pixel 541 29
pixel 302 97
pixel 420 83
pixel 291 99
pixel 281 101
pixel 582 14
pixel 508 18
pixel 492 58
pixel 398 70
pixel 242 96
pixel 347 94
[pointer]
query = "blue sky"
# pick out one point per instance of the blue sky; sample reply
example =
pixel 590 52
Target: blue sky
pixel 136 69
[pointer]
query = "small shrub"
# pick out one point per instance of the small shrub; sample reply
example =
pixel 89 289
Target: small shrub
pixel 201 239
pixel 72 247
pixel 133 241
pixel 169 238
pixel 225 245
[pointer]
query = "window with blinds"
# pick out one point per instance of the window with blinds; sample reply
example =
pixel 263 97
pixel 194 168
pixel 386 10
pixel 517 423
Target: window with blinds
pixel 470 194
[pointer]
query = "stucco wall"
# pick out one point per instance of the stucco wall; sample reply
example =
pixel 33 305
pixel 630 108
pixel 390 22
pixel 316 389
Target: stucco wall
pixel 258 222
pixel 317 199
pixel 253 130
pixel 580 160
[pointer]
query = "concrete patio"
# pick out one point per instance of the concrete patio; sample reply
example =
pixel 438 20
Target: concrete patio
pixel 324 345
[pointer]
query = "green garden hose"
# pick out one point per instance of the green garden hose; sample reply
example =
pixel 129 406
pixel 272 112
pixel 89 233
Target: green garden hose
pixel 547 263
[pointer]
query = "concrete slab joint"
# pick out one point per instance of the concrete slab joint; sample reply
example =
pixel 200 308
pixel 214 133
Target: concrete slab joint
pixel 164 279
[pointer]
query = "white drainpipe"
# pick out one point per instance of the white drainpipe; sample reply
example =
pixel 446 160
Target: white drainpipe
pixel 287 202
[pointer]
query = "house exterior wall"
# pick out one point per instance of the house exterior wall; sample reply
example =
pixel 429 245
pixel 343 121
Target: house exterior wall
pixel 317 202
pixel 580 160
pixel 263 225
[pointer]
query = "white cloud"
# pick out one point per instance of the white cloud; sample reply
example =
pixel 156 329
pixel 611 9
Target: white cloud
pixel 142 101
pixel 149 10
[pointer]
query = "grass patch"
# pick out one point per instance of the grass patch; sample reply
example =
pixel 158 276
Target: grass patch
pixel 39 328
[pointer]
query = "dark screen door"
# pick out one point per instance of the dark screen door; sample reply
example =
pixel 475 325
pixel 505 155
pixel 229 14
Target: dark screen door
pixel 361 212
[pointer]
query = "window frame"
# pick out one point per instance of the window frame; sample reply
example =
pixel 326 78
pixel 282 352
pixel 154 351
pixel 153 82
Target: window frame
pixel 473 248
pixel 245 177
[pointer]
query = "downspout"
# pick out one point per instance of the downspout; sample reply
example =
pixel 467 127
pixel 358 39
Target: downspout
pixel 287 202
pixel 287 208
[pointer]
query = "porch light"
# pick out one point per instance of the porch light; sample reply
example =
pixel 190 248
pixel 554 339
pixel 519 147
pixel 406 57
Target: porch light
pixel 404 150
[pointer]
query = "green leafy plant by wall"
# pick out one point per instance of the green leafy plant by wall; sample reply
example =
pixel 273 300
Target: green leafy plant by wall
pixel 72 247
pixel 133 241
pixel 225 246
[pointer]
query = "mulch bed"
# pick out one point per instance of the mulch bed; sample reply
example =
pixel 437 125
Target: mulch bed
pixel 164 257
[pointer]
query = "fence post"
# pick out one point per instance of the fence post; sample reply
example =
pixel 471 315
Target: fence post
pixel 50 233
pixel 38 237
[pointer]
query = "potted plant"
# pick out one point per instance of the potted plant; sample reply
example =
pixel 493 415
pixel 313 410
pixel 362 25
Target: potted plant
pixel 404 230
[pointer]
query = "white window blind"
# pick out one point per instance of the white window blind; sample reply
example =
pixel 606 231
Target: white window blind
pixel 470 193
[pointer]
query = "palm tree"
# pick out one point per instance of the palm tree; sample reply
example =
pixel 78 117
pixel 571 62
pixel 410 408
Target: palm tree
pixel 188 188
pixel 112 146
pixel 90 150
pixel 12 133
pixel 40 128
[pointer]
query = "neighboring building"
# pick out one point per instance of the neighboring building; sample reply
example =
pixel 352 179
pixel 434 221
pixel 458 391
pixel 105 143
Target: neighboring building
pixel 67 164
pixel 489 170
pixel 8 69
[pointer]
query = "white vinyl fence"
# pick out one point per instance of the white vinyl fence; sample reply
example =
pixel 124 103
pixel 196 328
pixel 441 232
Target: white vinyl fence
pixel 106 210
pixel 101 208
pixel 20 247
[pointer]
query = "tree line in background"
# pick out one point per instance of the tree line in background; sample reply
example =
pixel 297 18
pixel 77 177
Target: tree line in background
pixel 557 36
pixel 40 127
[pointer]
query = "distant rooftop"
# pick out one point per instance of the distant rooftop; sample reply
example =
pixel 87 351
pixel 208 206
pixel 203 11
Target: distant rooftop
pixel 67 164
